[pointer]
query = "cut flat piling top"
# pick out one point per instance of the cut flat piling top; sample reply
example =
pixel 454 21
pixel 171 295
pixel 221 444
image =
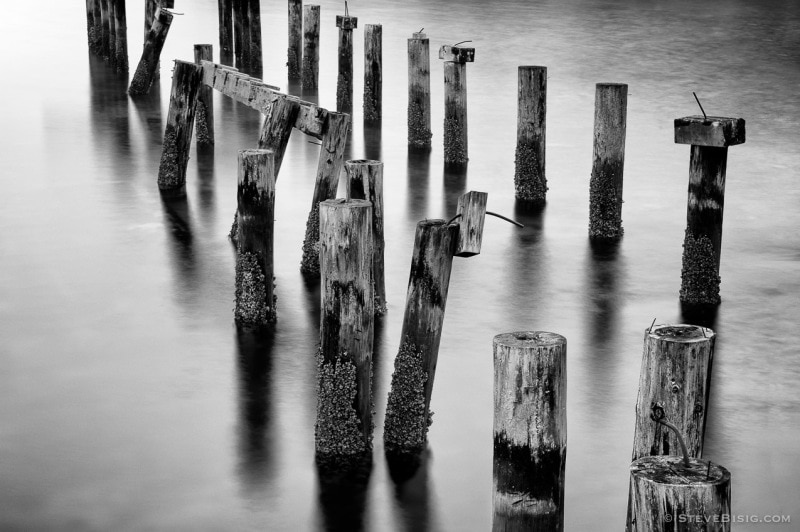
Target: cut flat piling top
pixel 681 333
pixel 419 35
pixel 670 470
pixel 713 131
pixel 529 339
pixel 457 54
pixel 346 23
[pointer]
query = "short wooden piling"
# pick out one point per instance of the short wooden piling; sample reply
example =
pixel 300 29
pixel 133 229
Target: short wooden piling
pixel 675 372
pixel 365 181
pixel 294 58
pixel 148 64
pixel 530 430
pixel 530 181
pixel 702 246
pixel 121 36
pixel 255 299
pixel 344 405
pixel 373 72
pixel 344 82
pixel 605 187
pixel 187 79
pixel 472 213
pixel 331 159
pixel 256 65
pixel 456 150
pixel 419 91
pixel 310 74
pixel 225 8
pixel 204 117
pixel 666 495
pixel 408 408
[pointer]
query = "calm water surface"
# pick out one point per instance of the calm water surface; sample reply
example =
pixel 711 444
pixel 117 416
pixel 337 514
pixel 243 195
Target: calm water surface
pixel 128 401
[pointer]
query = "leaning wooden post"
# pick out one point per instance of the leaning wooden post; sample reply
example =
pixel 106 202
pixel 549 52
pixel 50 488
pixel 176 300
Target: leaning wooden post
pixel 294 58
pixel 709 138
pixel 331 159
pixel 455 102
pixel 676 372
pixel 419 91
pixel 408 409
pixel 365 181
pixel 344 405
pixel 277 127
pixel 530 182
pixel 255 299
pixel 373 72
pixel 187 79
pixel 148 64
pixel 310 47
pixel 344 82
pixel 256 66
pixel 530 430
pixel 121 29
pixel 605 187
pixel 225 8
pixel 204 120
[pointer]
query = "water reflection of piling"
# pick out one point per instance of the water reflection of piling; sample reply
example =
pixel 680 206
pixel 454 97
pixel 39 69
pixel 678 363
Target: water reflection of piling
pixel 343 494
pixel 603 291
pixel 177 220
pixel 410 476
pixel 418 184
pixel 373 133
pixel 205 189
pixel 454 180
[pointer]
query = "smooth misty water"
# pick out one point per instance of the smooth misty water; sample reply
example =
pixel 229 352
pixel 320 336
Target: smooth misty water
pixel 129 402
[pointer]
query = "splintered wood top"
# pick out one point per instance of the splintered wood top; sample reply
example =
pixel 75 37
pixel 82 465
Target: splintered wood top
pixel 670 470
pixel 529 339
pixel 681 333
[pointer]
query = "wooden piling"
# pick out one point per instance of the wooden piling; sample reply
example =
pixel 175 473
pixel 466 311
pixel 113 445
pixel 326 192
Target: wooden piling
pixel 408 408
pixel 310 47
pixel 255 299
pixel 238 32
pixel 277 127
pixel 204 118
pixel 344 81
pixel 455 103
pixel 702 246
pixel 93 32
pixel 530 181
pixel 225 8
pixel 256 66
pixel 344 405
pixel 187 79
pixel 294 58
pixel 666 495
pixel 112 32
pixel 365 181
pixel 472 211
pixel 105 37
pixel 148 64
pixel 121 35
pixel 373 72
pixel 419 91
pixel 675 372
pixel 331 159
pixel 605 187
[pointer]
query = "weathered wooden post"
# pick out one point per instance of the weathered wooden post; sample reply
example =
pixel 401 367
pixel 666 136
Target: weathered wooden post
pixel 238 6
pixel 310 47
pixel 419 91
pixel 530 181
pixel 204 119
pixel 121 36
pixel 455 102
pixel 255 299
pixel 344 82
pixel 277 128
pixel 186 81
pixel 148 64
pixel 373 72
pixel 709 138
pixel 471 211
pixel 344 405
pixel 331 159
pixel 407 411
pixel 365 181
pixel 530 430
pixel 93 32
pixel 605 187
pixel 105 37
pixel 225 31
pixel 112 32
pixel 294 58
pixel 256 66
pixel 676 371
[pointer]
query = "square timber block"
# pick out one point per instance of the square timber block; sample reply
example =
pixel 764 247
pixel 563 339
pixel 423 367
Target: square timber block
pixel 346 23
pixel 472 208
pixel 714 131
pixel 457 55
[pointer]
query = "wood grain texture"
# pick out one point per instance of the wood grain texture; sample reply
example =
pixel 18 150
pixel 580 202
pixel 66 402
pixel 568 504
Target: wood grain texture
pixel 310 74
pixel 148 63
pixel 530 181
pixel 373 72
pixel 294 58
pixel 419 91
pixel 455 113
pixel 472 208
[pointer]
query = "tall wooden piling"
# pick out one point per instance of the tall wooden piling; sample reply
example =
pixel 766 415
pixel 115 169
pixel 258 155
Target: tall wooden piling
pixel 605 187
pixel 666 495
pixel 112 32
pixel 530 430
pixel 225 8
pixel 187 79
pixel 331 159
pixel 530 181
pixel 456 150
pixel 676 372
pixel 344 405
pixel 310 74
pixel 294 56
pixel 121 36
pixel 419 91
pixel 344 81
pixel 204 117
pixel 105 37
pixel 255 299
pixel 256 65
pixel 702 246
pixel 148 64
pixel 365 181
pixel 373 72
pixel 408 408
pixel 238 8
